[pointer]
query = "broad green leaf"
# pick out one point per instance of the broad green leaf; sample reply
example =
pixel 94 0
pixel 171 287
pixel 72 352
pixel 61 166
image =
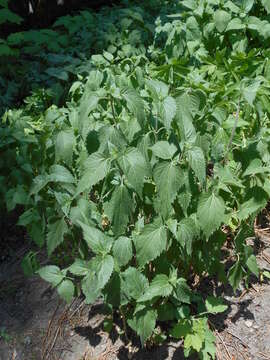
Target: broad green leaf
pixel 157 88
pixel 257 201
pixel 66 290
pixel 99 275
pixel 255 167
pixel 135 168
pixel 64 144
pixel 182 291
pixel 184 200
pixel 144 323
pixel 235 24
pixel 122 250
pixel 59 173
pixel 193 32
pixel 79 267
pixel 52 274
pixel 164 150
pixel 97 167
pixel 215 305
pixel 37 233
pixel 247 5
pixel 209 349
pixel 150 243
pixel 186 233
pixel 227 176
pixel 55 235
pixel 197 162
pixel 195 338
pixel 250 91
pixel 182 329
pixel 119 209
pixel 185 120
pixel 211 212
pixel 134 283
pixel 235 275
pixel 28 217
pixel 232 7
pixel 266 274
pixel 89 102
pixel 30 264
pixel 97 240
pixel 83 211
pixel 221 19
pixel 135 104
pixel 168 111
pixel 167 176
pixel 39 183
pixel 252 265
pixel 159 286
pixel 94 80
pixel 266 5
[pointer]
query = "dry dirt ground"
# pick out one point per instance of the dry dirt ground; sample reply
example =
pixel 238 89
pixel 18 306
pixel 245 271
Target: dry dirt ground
pixel 36 325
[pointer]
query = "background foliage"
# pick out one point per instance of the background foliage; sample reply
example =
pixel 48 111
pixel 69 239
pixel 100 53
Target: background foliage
pixel 145 156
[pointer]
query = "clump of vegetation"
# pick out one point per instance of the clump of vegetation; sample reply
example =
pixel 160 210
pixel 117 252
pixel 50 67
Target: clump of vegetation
pixel 157 152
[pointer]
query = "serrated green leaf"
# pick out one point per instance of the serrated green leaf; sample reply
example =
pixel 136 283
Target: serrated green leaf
pixel 197 162
pixel 215 305
pixel 59 173
pixel 167 176
pixel 184 119
pixel 89 102
pixel 79 267
pixel 135 104
pixel 235 24
pixel 134 283
pixel 221 19
pixel 250 91
pixel 184 200
pixel 96 168
pixel 182 329
pixel 209 348
pixel 66 290
pixel 135 168
pixel 122 250
pixel 235 275
pixel 97 240
pixel 28 217
pixel 211 211
pixel 164 150
pixel 144 323
pixel 119 209
pixel 55 235
pixel 182 291
pixel 64 144
pixel 159 286
pixel 257 199
pixel 186 233
pixel 52 274
pixel 266 5
pixel 168 111
pixel 158 89
pixel 252 265
pixel 150 243
pixel 255 167
pixel 99 275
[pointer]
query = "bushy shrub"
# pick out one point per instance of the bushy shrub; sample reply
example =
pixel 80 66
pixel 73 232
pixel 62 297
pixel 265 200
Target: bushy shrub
pixel 158 155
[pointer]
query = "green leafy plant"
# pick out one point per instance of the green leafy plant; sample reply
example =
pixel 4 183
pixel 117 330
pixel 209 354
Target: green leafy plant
pixel 153 170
